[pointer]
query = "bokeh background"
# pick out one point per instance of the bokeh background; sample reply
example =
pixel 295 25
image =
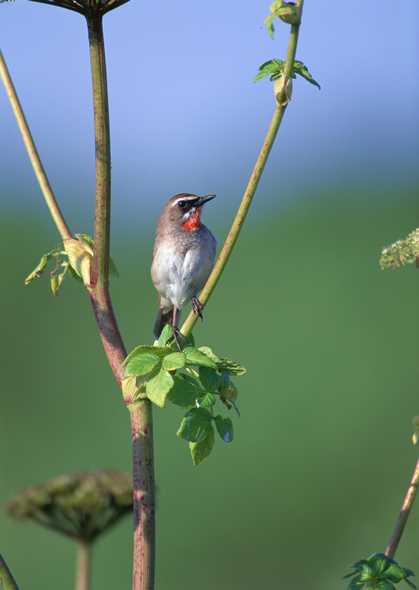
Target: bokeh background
pixel 322 455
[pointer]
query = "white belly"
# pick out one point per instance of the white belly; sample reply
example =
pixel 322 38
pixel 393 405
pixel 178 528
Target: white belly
pixel 179 278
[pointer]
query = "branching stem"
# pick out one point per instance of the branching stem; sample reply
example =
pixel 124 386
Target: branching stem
pixel 250 190
pixel 7 582
pixel 40 174
pixel 404 513
pixel 141 413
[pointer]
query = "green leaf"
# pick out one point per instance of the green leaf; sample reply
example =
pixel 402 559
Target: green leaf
pixel 173 361
pixel 206 401
pixel 210 353
pixel 142 364
pixel 210 379
pixel 38 270
pixel 57 277
pixel 231 367
pixel 269 24
pixel 158 388
pixel 302 70
pixel 195 425
pixel 185 391
pixel 201 450
pixel 272 68
pixel 158 351
pixel 355 584
pixel 165 336
pixel 288 13
pixel 224 428
pixel 198 358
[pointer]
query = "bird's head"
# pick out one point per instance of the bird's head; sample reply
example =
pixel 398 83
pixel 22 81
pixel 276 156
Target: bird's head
pixel 184 210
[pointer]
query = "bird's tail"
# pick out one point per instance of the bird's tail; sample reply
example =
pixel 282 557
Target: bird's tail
pixel 164 316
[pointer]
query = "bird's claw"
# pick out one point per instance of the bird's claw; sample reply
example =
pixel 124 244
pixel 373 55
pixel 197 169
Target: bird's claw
pixel 197 307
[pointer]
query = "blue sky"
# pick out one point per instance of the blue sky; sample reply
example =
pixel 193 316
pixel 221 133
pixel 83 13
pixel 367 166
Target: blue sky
pixel 185 113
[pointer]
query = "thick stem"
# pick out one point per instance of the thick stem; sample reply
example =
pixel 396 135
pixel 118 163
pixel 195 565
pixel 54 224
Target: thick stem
pixel 100 264
pixel 83 566
pixel 253 182
pixel 7 582
pixel 34 158
pixel 404 514
pixel 141 414
pixel 144 496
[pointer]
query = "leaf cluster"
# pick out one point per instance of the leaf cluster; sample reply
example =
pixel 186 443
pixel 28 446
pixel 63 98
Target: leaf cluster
pixel 378 572
pixel 73 255
pixel 288 12
pixel 274 68
pixel 194 379
pixel 401 252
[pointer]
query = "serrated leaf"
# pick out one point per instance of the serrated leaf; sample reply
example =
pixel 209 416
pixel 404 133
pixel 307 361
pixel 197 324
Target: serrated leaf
pixel 206 401
pixel 173 361
pixel 201 450
pixel 158 351
pixel 198 358
pixel 142 364
pixel 185 391
pixel 231 367
pixel 302 70
pixel 195 425
pixel 272 68
pixel 158 388
pixel 224 428
pixel 209 353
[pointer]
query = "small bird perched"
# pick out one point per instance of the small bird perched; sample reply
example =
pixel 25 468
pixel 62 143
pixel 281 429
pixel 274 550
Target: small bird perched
pixel 183 257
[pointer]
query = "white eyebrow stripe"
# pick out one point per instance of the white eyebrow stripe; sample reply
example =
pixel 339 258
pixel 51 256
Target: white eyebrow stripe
pixel 188 198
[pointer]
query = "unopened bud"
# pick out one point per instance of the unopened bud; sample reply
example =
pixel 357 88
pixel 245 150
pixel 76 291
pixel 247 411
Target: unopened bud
pixel 80 256
pixel 282 95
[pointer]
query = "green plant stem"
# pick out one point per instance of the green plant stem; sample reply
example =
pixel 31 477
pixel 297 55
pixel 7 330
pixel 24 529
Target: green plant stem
pixel 34 158
pixel 7 582
pixel 406 508
pixel 141 414
pixel 83 566
pixel 253 182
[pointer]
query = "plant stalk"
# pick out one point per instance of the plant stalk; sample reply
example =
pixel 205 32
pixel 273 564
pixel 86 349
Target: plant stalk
pixel 144 496
pixel 34 158
pixel 83 566
pixel 141 414
pixel 253 182
pixel 7 581
pixel 406 508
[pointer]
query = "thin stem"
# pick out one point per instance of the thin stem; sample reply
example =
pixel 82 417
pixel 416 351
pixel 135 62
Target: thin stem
pixel 83 566
pixel 253 182
pixel 404 514
pixel 144 496
pixel 40 174
pixel 7 582
pixel 141 414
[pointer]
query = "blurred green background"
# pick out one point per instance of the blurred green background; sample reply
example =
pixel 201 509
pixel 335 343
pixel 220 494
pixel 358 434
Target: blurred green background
pixel 322 456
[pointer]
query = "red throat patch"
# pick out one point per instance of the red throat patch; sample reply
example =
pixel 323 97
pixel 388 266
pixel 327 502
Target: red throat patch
pixel 193 222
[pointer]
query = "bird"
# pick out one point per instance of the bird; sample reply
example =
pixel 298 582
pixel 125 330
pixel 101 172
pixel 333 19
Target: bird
pixel 183 257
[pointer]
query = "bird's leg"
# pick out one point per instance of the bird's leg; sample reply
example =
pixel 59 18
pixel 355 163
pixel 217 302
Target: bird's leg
pixel 176 333
pixel 197 307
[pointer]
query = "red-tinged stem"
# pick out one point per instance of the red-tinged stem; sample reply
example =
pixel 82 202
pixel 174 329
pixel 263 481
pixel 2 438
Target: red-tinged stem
pixel 408 502
pixel 141 413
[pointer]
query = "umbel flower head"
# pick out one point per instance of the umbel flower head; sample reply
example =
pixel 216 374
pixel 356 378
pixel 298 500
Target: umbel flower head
pixel 81 506
pixel 85 7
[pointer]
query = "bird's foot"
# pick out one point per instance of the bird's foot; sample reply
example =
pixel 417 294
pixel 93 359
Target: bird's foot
pixel 197 307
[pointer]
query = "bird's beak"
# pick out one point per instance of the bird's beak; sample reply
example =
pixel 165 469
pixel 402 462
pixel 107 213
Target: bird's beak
pixel 204 199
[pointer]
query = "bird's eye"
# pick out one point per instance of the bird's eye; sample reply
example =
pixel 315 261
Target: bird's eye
pixel 182 204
